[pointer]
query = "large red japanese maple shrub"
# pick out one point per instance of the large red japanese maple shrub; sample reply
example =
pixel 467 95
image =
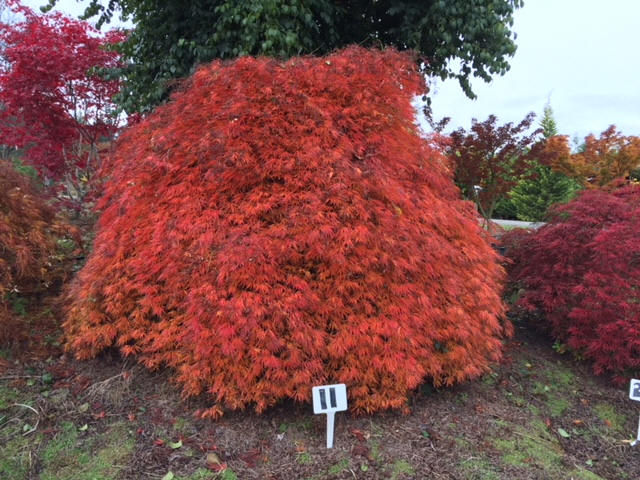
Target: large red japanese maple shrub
pixel 581 275
pixel 282 225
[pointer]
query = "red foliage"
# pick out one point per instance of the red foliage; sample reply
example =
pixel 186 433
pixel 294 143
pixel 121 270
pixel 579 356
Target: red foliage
pixel 490 159
pixel 581 273
pixel 55 105
pixel 282 225
pixel 28 232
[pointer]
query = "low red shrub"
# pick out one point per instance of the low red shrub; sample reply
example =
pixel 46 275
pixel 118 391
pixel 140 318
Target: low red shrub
pixel 581 273
pixel 282 225
pixel 29 230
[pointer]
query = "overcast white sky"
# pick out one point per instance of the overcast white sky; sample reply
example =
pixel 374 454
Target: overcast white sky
pixel 582 54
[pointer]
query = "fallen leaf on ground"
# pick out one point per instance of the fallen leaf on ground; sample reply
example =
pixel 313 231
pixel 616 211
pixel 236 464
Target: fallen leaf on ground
pixel 252 457
pixel 360 451
pixel 221 467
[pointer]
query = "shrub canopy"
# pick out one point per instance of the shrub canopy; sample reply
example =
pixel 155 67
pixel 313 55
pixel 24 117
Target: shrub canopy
pixel 282 225
pixel 581 275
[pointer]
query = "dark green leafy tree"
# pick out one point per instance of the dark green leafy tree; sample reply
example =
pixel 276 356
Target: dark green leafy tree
pixel 172 37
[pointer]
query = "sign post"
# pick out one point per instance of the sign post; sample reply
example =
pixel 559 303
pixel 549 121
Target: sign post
pixel 329 399
pixel 634 394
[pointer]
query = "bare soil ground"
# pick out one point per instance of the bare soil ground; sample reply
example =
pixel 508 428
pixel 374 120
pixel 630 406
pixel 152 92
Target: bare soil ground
pixel 537 415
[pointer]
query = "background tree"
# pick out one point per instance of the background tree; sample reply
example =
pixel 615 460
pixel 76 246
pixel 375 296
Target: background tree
pixel 598 161
pixel 56 107
pixel 533 196
pixel 542 186
pixel 490 159
pixel 604 159
pixel 172 37
pixel 548 123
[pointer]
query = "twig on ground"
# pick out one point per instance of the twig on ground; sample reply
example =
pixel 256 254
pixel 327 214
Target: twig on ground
pixel 8 421
pixel 101 387
pixel 16 377
pixel 35 427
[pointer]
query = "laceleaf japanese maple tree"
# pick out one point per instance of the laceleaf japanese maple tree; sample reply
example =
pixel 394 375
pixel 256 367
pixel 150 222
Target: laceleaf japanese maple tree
pixel 280 225
pixel 581 275
pixel 491 159
pixel 55 105
pixel 600 160
pixel 29 230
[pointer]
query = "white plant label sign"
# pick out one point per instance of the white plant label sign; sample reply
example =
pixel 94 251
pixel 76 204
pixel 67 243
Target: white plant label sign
pixel 329 399
pixel 634 394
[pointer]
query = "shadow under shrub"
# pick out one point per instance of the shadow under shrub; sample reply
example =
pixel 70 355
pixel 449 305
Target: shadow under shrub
pixel 281 225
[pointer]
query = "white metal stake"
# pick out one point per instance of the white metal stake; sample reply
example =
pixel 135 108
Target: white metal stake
pixel 331 417
pixel 329 399
pixel 634 394
pixel 635 442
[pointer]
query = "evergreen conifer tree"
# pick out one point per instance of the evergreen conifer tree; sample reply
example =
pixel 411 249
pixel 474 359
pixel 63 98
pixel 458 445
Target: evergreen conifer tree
pixel 541 187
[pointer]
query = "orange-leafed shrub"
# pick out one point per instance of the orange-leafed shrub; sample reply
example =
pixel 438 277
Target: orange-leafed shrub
pixel 581 277
pixel 29 230
pixel 282 225
pixel 599 162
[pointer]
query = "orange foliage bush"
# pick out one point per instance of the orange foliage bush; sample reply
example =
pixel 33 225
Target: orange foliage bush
pixel 600 161
pixel 282 225
pixel 28 232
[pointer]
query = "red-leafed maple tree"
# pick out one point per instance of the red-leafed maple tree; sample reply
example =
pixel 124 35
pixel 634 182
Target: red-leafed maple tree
pixel 581 275
pixel 282 225
pixel 490 159
pixel 29 230
pixel 55 105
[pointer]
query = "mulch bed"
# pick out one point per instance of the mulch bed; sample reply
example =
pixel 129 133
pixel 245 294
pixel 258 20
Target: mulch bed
pixel 449 433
